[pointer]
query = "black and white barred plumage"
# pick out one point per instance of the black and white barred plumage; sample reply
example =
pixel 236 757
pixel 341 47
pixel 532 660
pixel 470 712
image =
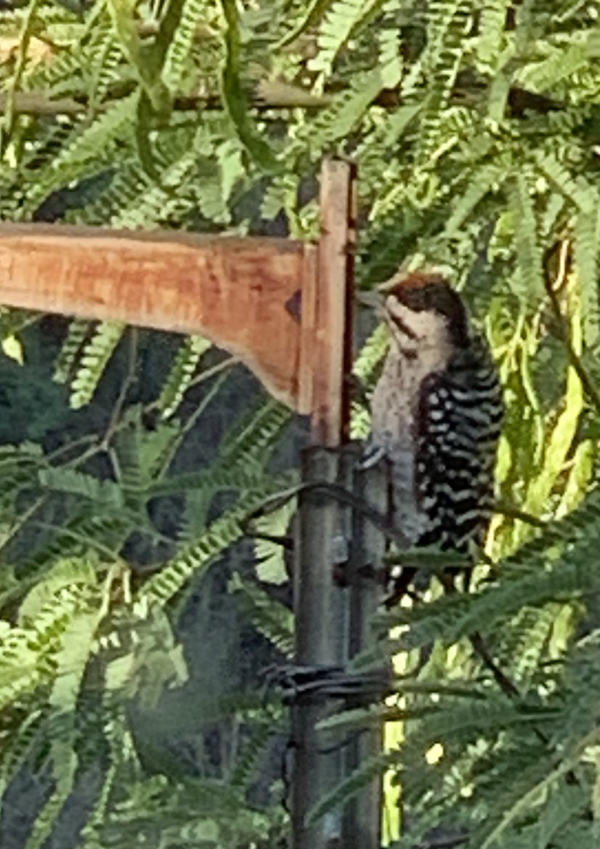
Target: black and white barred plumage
pixel 459 419
pixel 436 416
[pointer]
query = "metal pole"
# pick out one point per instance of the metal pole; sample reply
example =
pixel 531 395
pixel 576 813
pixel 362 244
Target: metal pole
pixel 333 626
pixel 362 816
pixel 320 636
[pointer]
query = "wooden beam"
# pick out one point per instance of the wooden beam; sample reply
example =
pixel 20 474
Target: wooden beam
pixel 243 294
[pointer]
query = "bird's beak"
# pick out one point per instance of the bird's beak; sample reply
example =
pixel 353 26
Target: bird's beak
pixel 375 298
pixel 372 299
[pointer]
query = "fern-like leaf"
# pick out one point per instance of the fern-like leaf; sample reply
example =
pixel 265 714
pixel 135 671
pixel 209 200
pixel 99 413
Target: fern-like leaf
pixel 336 28
pixel 178 54
pixel 529 276
pixel 94 358
pixel 181 374
pixel 200 554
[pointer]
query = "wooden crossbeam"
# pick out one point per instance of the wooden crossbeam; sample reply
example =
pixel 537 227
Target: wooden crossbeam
pixel 281 306
pixel 245 294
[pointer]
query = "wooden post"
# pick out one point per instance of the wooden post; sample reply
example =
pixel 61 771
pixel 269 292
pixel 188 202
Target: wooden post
pixel 326 332
pixel 320 605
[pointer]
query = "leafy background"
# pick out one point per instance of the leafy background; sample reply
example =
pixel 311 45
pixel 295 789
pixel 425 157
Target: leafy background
pixel 476 128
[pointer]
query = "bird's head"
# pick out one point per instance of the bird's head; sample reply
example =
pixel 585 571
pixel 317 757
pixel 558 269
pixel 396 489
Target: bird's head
pixel 423 308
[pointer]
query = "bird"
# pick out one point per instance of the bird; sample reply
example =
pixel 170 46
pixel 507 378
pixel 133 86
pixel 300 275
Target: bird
pixel 436 418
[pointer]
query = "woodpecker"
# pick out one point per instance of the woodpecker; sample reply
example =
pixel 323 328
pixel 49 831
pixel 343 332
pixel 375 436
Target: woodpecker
pixel 436 415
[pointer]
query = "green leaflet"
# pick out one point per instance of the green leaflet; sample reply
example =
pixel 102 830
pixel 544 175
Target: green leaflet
pixel 562 63
pixel 525 796
pixel 529 278
pixel 269 617
pixel 182 372
pixel 122 13
pixel 560 439
pixel 69 481
pixel 352 785
pixel 201 553
pixel 311 14
pixel 176 40
pixel 336 27
pixel 86 146
pixel 488 178
pixel 94 357
pixel 347 110
pixel 233 95
pixel 575 188
pixel 491 31
pixel 70 665
pixel 70 349
pixel 586 233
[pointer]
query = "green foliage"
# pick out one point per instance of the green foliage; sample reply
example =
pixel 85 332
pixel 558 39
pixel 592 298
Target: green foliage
pixel 94 357
pixel 273 621
pixel 476 128
pixel 197 813
pixel 182 373
pixel 83 630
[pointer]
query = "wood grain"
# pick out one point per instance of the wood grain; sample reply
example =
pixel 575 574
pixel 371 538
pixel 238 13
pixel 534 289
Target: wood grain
pixel 242 293
pixel 331 348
